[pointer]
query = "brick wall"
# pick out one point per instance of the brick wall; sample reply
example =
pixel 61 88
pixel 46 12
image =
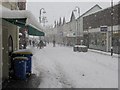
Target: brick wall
pixel 101 18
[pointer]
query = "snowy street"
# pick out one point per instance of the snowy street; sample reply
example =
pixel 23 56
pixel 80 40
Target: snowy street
pixel 60 67
pixel 59 44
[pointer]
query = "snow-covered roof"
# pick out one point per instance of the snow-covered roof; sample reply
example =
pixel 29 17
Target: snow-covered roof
pixel 18 14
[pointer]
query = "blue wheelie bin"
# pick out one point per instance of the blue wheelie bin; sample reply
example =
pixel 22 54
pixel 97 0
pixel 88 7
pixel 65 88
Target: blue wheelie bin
pixel 75 48
pixel 28 62
pixel 20 67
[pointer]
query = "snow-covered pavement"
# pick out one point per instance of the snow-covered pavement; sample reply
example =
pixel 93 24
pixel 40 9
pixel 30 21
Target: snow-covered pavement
pixel 60 67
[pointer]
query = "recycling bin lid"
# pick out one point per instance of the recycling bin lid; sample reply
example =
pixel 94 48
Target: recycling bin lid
pixel 82 46
pixel 76 45
pixel 20 58
pixel 23 51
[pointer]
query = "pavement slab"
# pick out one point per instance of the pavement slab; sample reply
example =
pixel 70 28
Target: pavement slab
pixel 32 82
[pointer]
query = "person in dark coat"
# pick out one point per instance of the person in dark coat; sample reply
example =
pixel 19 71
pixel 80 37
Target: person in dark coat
pixel 111 51
pixel 41 44
pixel 33 42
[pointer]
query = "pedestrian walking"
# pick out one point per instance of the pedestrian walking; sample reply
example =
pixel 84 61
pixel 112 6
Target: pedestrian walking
pixel 33 42
pixel 38 45
pixel 41 44
pixel 111 51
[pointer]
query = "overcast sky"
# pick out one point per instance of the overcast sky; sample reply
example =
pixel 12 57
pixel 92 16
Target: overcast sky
pixel 55 10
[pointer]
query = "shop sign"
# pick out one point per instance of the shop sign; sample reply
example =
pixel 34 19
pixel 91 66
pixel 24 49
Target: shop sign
pixel 103 28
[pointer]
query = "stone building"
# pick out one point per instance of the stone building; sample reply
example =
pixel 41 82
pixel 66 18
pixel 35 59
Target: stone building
pixel 94 35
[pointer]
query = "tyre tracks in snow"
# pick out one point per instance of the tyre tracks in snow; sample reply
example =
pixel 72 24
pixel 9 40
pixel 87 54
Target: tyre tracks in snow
pixel 64 81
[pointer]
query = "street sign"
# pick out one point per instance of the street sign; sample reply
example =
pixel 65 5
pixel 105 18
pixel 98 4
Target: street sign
pixel 103 28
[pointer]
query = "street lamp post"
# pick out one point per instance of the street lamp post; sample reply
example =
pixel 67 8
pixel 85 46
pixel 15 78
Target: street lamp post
pixel 76 47
pixel 44 20
pixel 77 9
pixel 40 18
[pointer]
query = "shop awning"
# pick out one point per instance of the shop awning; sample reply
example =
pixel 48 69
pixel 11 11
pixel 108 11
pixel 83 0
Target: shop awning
pixel 34 32
pixel 19 22
pixel 24 18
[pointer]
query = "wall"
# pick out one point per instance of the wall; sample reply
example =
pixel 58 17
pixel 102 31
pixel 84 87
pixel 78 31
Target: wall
pixel 73 27
pixel 92 23
pixel 7 30
pixel 10 5
pixel 101 18
pixel 80 20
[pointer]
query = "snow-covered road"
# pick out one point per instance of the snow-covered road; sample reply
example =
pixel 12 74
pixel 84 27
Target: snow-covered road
pixel 60 67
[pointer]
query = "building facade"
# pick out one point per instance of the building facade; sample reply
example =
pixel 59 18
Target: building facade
pixel 71 33
pixel 80 20
pixel 97 29
pixel 10 40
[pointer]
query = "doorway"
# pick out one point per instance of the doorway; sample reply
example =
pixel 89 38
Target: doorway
pixel 10 50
